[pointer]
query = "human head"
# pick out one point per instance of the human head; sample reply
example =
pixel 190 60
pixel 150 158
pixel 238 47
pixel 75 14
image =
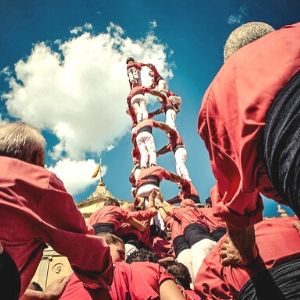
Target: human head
pixel 208 202
pixel 130 60
pixel 142 255
pixel 244 35
pixel 180 272
pixel 111 202
pixel 116 246
pixel 127 206
pixel 22 141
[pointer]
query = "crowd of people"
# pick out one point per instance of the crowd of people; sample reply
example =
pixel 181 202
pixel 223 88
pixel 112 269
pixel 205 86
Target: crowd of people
pixel 152 248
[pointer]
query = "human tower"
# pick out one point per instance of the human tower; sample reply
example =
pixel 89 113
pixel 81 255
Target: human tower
pixel 146 174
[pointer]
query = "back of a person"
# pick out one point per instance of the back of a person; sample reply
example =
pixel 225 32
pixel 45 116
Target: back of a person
pixel 22 186
pixel 138 280
pixel 277 241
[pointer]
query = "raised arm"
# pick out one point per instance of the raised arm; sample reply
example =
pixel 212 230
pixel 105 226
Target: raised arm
pixel 163 150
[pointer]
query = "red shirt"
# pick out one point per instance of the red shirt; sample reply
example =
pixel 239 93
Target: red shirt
pixel 110 214
pixel 137 91
pixel 138 281
pixel 232 118
pixel 36 209
pixel 175 227
pixel 277 241
pixel 187 216
pixel 157 172
pixel 210 219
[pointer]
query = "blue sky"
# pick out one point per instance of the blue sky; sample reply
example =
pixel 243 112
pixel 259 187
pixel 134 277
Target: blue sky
pixel 53 77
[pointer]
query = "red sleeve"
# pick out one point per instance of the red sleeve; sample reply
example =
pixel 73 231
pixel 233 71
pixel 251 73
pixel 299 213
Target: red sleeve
pixel 67 233
pixel 164 275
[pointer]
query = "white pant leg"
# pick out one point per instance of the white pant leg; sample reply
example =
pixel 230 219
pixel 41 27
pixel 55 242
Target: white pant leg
pixel 180 158
pixel 199 251
pixel 150 145
pixel 162 85
pixel 157 220
pixel 185 257
pixel 137 173
pixel 141 143
pixel 171 118
pixel 138 102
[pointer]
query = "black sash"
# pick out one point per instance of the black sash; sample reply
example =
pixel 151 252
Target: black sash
pixel 281 143
pixel 280 282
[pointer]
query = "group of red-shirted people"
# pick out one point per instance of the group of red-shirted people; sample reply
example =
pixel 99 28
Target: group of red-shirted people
pixel 176 249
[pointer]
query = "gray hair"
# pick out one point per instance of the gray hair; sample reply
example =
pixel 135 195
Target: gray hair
pixel 244 35
pixel 22 141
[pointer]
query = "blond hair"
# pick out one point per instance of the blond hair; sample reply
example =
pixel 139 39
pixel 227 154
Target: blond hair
pixel 244 35
pixel 22 141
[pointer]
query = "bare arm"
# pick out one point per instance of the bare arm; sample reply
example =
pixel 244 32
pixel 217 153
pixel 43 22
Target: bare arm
pixel 163 150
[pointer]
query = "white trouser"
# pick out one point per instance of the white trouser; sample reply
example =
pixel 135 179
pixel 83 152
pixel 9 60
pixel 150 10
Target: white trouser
pixel 171 118
pixel 185 257
pixel 129 249
pixel 199 251
pixel 146 145
pixel 145 190
pixel 180 158
pixel 138 102
pixel 137 173
pixel 162 85
pixel 157 220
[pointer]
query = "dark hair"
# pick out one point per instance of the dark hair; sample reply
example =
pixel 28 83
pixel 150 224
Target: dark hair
pixel 142 255
pixel 111 202
pixel 180 272
pixel 208 202
pixel 130 58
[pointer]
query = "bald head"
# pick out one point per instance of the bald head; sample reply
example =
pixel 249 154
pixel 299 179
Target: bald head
pixel 244 35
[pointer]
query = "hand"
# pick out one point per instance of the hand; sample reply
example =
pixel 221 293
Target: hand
pixel 239 247
pixel 56 288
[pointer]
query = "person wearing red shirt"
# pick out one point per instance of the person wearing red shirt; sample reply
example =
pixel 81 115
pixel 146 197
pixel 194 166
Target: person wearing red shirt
pixel 142 138
pixel 136 99
pixel 36 209
pixel 181 246
pixel 175 145
pixel 137 280
pixel 278 245
pixel 75 289
pixel 149 179
pixel 249 98
pixel 110 218
pixel 157 79
pixel 195 232
pixel 217 227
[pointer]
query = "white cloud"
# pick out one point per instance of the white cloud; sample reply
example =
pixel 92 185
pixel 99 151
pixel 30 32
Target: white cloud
pixel 110 147
pixel 76 175
pixel 79 92
pixel 153 24
pixel 79 29
pixel 238 18
pixel 234 19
